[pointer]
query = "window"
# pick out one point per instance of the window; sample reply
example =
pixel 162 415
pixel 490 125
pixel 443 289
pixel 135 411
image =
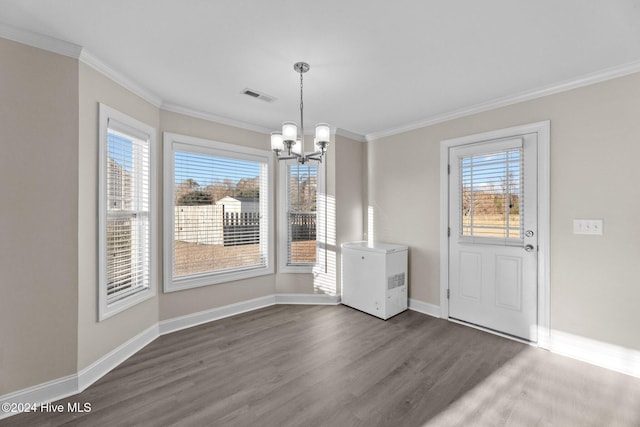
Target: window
pixel 126 220
pixel 491 194
pixel 298 216
pixel 218 212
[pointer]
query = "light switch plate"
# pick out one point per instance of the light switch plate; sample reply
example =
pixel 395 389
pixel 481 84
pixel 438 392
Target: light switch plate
pixel 588 226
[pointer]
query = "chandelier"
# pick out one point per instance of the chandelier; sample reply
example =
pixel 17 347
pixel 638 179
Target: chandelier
pixel 288 144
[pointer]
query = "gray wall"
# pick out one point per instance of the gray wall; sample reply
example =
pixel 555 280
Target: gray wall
pixel 181 303
pixel 349 190
pixel 95 339
pixel 38 216
pixel 48 229
pixel 48 125
pixel 594 174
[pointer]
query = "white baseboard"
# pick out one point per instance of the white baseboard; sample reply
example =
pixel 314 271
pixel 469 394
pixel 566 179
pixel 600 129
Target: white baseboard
pixel 76 383
pixel 598 353
pixel 424 307
pixel 109 361
pixel 41 393
pixel 183 322
pixel 311 299
pixel 605 355
pixel 610 356
pixel 201 317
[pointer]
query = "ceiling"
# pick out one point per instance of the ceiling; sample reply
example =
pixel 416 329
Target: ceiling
pixel 376 65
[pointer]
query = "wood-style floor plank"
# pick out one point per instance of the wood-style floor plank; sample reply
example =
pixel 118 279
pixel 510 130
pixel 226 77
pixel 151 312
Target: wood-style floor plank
pixel 335 366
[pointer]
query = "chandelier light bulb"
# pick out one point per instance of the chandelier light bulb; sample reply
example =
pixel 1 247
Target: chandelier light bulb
pixel 277 143
pixel 322 132
pixel 288 145
pixel 289 131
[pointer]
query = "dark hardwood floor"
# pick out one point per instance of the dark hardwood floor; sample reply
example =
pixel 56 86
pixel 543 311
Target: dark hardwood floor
pixel 296 365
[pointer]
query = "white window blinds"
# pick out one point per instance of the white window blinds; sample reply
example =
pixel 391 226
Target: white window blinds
pixel 218 211
pixel 302 185
pixel 491 194
pixel 128 199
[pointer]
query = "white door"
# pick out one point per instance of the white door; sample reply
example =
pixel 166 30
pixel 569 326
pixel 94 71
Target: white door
pixel 493 251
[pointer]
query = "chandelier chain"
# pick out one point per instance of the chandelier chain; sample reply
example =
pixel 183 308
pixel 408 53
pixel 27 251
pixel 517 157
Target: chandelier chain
pixel 301 113
pixel 287 141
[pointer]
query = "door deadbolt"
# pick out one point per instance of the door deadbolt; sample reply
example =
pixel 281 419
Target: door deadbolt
pixel 528 233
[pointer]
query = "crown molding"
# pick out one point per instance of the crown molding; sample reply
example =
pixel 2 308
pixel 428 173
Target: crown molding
pixel 584 80
pixel 83 55
pixel 40 41
pixel 72 50
pixel 75 51
pixel 118 77
pixel 351 135
pixel 174 108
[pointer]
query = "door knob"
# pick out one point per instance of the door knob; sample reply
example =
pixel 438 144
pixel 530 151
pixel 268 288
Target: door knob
pixel 528 248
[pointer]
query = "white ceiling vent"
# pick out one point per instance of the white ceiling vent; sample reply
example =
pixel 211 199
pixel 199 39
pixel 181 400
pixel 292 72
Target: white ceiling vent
pixel 258 95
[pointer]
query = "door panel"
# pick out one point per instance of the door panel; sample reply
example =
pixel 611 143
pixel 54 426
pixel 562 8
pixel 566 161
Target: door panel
pixel 470 268
pixel 493 217
pixel 509 282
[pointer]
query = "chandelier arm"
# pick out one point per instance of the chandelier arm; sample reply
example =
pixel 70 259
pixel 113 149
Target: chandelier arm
pixel 315 153
pixel 301 156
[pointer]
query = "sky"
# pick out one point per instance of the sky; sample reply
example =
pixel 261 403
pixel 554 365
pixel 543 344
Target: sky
pixel 206 169
pixel 487 172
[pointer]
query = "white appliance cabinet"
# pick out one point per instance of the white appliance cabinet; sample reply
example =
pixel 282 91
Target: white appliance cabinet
pixel 374 277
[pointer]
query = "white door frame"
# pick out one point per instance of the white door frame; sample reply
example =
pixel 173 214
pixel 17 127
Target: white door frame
pixel 543 131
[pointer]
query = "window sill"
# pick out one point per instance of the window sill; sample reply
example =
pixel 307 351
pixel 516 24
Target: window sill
pixel 109 309
pixel 198 281
pixel 296 269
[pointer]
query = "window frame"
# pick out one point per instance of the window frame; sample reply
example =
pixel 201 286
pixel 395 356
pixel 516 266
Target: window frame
pixel 283 218
pixel 215 148
pixel 125 124
pixel 500 147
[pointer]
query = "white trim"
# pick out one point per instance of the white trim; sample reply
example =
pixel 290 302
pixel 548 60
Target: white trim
pixel 49 391
pixel 111 360
pixel 78 52
pixel 543 130
pixel 308 299
pixel 76 383
pixel 351 135
pixel 492 332
pixel 290 269
pixel 605 355
pixel 444 230
pixel 283 223
pixel 573 83
pixel 74 51
pixel 424 307
pixel 40 41
pixel 206 316
pixel 609 356
pixel 174 108
pixel 544 233
pixel 215 148
pixel 100 66
pixel 106 309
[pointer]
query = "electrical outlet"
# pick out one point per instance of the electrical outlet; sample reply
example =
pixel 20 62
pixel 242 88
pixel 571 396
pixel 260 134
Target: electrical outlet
pixel 588 226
